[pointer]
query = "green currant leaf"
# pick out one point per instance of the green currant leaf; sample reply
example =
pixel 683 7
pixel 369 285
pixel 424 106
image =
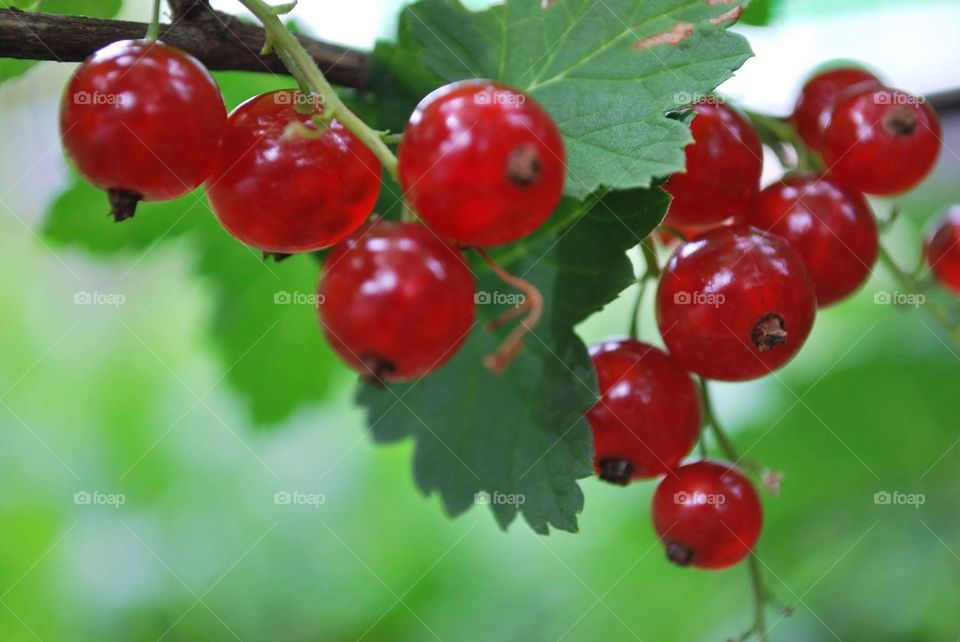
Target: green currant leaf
pixel 10 67
pixel 608 71
pixel 522 434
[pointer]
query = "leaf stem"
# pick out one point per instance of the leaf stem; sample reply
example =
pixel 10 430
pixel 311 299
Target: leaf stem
pixel 302 65
pixel 153 30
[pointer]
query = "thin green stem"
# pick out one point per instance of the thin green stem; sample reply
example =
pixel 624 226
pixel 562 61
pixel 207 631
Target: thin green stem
pixel 710 416
pixel 913 286
pixel 650 256
pixel 302 106
pixel 776 132
pixel 651 273
pixel 153 31
pixel 300 62
pixel 672 231
pixel 391 139
pixel 761 597
pixel 635 312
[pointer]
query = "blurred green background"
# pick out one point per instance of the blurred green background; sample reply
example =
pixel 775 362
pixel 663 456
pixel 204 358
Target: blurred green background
pixel 141 395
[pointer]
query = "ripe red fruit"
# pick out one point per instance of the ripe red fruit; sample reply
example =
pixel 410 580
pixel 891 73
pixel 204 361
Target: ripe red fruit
pixel 881 141
pixel 735 303
pixel 830 226
pixel 648 416
pixel 284 191
pixel 143 121
pixel 481 163
pixel 811 115
pixel 707 514
pixel 943 249
pixel 724 164
pixel 395 301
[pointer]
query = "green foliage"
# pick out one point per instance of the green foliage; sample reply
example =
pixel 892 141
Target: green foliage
pixel 595 66
pixel 611 99
pixel 523 433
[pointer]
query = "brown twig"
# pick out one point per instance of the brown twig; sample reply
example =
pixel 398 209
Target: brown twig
pixel 220 41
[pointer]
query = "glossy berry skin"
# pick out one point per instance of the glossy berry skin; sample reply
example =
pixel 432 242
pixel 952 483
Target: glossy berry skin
pixel 723 166
pixel 830 226
pixel 943 249
pixel 395 301
pixel 144 119
pixel 285 192
pixel 707 514
pixel 481 163
pixel 811 114
pixel 881 141
pixel 648 416
pixel 735 303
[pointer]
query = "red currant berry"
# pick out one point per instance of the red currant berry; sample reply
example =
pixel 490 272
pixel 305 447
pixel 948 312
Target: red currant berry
pixel 395 301
pixel 881 141
pixel 481 163
pixel 811 115
pixel 830 226
pixel 648 416
pixel 143 121
pixel 735 303
pixel 285 189
pixel 943 249
pixel 707 514
pixel 724 163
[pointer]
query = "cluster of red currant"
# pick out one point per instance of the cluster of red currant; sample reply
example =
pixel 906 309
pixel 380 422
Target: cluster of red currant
pixel 481 164
pixel 738 297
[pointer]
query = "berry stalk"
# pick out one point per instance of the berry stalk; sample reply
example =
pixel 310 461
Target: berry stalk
pixel 153 31
pixel 302 65
pixel 761 596
pixel 778 132
pixel 651 273
pixel 908 282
